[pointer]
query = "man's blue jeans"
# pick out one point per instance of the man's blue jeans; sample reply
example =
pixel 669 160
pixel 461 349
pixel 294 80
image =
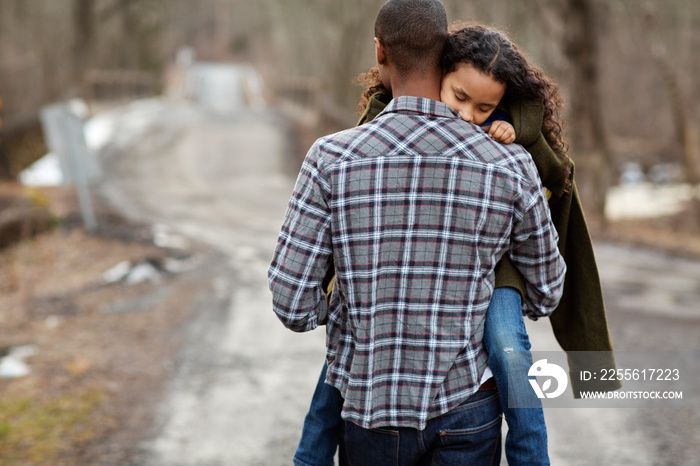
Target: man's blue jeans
pixel 508 345
pixel 469 434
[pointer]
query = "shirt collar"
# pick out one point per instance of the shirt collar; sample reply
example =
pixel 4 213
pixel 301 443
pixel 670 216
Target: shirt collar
pixel 420 105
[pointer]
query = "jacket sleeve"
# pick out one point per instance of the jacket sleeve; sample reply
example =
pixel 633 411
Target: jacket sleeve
pixel 553 168
pixel 526 116
pixel 579 322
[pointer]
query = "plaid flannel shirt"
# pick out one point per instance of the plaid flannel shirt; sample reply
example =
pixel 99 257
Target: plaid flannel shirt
pixel 416 208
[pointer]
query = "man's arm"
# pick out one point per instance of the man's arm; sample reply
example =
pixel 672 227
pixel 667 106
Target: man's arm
pixel 534 252
pixel 303 254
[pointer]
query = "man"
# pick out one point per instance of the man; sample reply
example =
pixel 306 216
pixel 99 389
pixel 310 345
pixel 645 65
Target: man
pixel 415 208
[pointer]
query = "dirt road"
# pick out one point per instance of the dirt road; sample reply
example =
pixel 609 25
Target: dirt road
pixel 223 176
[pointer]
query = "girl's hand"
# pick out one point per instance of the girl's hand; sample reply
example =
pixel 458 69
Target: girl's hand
pixel 501 131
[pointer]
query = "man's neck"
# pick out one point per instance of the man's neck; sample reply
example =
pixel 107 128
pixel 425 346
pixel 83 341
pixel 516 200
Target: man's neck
pixel 425 86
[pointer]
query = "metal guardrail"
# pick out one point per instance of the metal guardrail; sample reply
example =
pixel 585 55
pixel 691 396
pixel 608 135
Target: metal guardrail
pixel 64 135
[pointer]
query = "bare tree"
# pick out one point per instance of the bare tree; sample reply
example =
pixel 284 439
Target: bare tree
pixel 353 25
pixel 328 40
pixel 588 131
pixel 84 20
pixel 685 131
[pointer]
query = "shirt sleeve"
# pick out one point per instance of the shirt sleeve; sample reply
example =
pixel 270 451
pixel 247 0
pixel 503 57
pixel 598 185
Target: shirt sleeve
pixel 303 253
pixel 534 252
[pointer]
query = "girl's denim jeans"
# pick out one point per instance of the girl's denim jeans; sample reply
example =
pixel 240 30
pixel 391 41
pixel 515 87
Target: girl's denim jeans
pixel 510 359
pixel 323 426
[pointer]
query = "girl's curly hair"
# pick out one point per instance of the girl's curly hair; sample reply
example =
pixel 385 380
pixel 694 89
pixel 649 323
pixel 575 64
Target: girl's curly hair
pixel 372 83
pixel 492 53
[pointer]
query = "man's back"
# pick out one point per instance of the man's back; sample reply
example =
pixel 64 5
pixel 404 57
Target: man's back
pixel 421 207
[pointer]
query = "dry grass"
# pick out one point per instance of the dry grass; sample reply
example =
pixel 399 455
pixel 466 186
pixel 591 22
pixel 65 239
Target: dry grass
pixel 103 351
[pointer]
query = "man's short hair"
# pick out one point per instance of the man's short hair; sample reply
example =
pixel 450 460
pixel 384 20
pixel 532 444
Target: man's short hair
pixel 413 34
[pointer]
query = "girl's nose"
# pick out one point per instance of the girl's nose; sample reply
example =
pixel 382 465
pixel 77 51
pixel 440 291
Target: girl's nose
pixel 466 115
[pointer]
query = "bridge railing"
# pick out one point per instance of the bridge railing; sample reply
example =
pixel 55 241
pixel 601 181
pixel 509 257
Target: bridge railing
pixel 119 85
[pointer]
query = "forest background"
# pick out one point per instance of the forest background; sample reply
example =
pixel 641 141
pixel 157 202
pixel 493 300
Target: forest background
pixel 625 67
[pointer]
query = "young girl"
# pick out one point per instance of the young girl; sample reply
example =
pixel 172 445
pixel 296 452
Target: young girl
pixel 483 70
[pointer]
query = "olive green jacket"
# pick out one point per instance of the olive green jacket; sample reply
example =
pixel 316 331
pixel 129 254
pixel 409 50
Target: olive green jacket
pixel 579 322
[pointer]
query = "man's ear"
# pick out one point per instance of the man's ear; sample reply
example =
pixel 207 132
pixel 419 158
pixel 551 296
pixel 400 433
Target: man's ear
pixel 380 52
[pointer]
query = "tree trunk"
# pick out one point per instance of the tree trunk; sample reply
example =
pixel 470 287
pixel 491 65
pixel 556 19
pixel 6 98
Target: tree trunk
pixel 5 165
pixel 83 19
pixel 128 52
pixel 588 136
pixel 685 132
pixel 683 128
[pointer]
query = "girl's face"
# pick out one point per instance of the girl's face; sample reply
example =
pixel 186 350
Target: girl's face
pixel 473 94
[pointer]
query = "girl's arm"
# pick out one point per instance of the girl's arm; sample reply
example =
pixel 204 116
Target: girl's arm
pixel 499 127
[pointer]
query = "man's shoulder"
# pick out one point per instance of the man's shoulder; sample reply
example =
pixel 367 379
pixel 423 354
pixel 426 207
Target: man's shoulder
pixel 513 158
pixel 346 143
pixel 472 140
pixel 350 133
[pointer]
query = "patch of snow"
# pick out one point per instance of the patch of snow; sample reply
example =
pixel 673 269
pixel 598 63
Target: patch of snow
pixel 163 237
pixel 645 200
pixel 117 273
pixel 173 266
pixel 53 321
pixel 13 365
pixel 143 272
pixel 132 273
pixel 44 172
pixel 99 131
